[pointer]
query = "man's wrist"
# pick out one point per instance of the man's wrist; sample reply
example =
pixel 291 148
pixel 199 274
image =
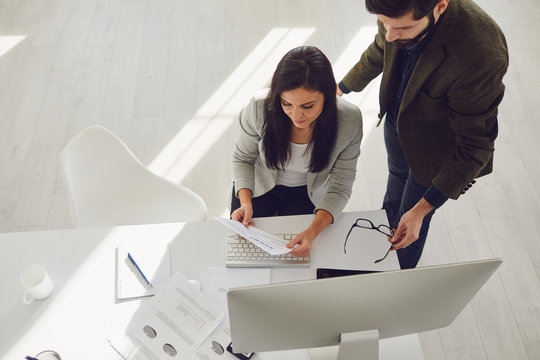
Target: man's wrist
pixel 423 207
pixel 344 89
pixel 434 197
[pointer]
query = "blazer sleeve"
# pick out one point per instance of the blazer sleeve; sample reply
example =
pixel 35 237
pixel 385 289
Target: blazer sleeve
pixel 370 64
pixel 246 150
pixel 343 171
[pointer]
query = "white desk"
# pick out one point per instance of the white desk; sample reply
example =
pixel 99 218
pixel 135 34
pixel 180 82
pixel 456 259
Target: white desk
pixel 75 319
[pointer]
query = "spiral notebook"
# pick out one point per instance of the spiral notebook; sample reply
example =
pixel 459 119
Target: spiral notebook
pixel 153 260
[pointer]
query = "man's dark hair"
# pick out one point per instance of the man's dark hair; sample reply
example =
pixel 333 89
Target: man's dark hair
pixel 397 8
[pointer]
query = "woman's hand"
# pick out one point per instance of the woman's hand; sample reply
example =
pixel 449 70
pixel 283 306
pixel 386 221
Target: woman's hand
pixel 243 214
pixel 322 219
pixel 304 239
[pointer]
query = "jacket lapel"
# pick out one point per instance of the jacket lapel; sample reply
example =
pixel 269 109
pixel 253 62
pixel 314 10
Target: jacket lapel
pixel 427 63
pixel 389 81
pixel 432 56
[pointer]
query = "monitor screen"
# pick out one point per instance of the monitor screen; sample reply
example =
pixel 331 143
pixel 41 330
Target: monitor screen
pixel 314 313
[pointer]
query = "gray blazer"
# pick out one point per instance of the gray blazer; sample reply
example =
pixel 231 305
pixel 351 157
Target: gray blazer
pixel 329 189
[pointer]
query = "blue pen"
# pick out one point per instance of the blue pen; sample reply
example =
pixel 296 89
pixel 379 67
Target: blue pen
pixel 138 269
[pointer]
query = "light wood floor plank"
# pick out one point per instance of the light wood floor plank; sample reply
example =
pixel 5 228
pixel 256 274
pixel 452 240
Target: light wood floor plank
pixel 40 172
pixel 527 134
pixel 183 45
pixel 71 50
pixel 520 280
pixel 51 23
pixel 132 10
pixel 8 201
pixel 432 347
pixel 9 8
pixel 91 87
pixel 151 79
pixel 22 114
pixel 145 138
pixel 521 196
pixel 119 97
pixel 496 322
pixel 59 217
pixel 104 23
pixel 466 354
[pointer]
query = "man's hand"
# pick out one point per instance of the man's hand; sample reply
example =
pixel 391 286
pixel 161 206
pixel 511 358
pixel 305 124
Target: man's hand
pixel 409 225
pixel 338 91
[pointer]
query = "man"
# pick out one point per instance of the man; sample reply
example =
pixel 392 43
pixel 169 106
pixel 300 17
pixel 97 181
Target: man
pixel 442 63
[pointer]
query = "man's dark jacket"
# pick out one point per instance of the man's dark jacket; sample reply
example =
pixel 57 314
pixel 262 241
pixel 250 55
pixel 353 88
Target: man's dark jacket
pixel 447 121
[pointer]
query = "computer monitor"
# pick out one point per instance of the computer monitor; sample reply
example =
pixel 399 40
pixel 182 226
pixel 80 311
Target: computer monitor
pixel 352 311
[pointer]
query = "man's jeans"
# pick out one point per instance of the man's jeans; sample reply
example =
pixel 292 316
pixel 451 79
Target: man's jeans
pixel 402 193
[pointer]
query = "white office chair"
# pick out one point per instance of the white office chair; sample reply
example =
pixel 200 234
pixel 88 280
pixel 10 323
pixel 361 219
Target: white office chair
pixel 107 185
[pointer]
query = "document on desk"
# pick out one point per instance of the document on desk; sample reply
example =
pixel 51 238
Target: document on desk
pixel 148 268
pixel 266 241
pixel 216 281
pixel 179 315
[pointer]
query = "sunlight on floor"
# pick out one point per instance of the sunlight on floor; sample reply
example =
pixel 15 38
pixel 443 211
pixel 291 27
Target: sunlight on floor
pixel 9 42
pixel 191 144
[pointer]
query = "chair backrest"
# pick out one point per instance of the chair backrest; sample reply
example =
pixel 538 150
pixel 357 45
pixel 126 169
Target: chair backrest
pixel 107 185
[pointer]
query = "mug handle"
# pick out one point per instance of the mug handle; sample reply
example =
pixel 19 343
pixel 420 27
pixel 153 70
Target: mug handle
pixel 28 298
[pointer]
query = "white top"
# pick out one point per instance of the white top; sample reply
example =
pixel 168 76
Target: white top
pixel 296 169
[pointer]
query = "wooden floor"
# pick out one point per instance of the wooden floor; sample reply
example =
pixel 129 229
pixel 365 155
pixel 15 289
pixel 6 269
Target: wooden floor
pixel 169 77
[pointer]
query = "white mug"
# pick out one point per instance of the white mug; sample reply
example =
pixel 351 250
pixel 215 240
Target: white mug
pixel 37 282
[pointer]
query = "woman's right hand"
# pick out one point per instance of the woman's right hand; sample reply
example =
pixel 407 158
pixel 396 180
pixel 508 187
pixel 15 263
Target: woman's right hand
pixel 243 214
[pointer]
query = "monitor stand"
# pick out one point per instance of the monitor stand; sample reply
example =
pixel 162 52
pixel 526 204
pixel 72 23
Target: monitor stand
pixel 352 345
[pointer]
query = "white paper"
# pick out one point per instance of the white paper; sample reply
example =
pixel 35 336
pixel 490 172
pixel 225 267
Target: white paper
pixel 153 259
pixel 218 341
pixel 266 241
pixel 180 316
pixel 216 281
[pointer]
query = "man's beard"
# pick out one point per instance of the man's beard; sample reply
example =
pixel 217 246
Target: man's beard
pixel 404 44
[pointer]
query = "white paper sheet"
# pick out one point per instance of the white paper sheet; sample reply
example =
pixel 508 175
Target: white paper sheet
pixel 178 316
pixel 153 259
pixel 216 281
pixel 266 241
pixel 214 348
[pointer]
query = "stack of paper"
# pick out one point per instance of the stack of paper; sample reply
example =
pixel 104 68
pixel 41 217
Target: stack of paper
pixel 266 241
pixel 177 320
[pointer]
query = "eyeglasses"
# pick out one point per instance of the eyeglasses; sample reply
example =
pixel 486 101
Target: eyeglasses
pixel 367 224
pixel 45 354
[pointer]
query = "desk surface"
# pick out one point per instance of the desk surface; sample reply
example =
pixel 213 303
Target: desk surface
pixel 76 318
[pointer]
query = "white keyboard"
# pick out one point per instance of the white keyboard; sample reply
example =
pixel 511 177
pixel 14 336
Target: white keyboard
pixel 243 253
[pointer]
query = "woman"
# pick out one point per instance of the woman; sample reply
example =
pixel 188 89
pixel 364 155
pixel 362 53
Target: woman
pixel 297 148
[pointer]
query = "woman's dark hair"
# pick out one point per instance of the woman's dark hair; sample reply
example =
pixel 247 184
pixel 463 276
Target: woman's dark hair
pixel 397 8
pixel 308 67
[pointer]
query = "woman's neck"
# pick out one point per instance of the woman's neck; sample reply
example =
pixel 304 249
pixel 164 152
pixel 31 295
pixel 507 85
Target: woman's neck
pixel 301 136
